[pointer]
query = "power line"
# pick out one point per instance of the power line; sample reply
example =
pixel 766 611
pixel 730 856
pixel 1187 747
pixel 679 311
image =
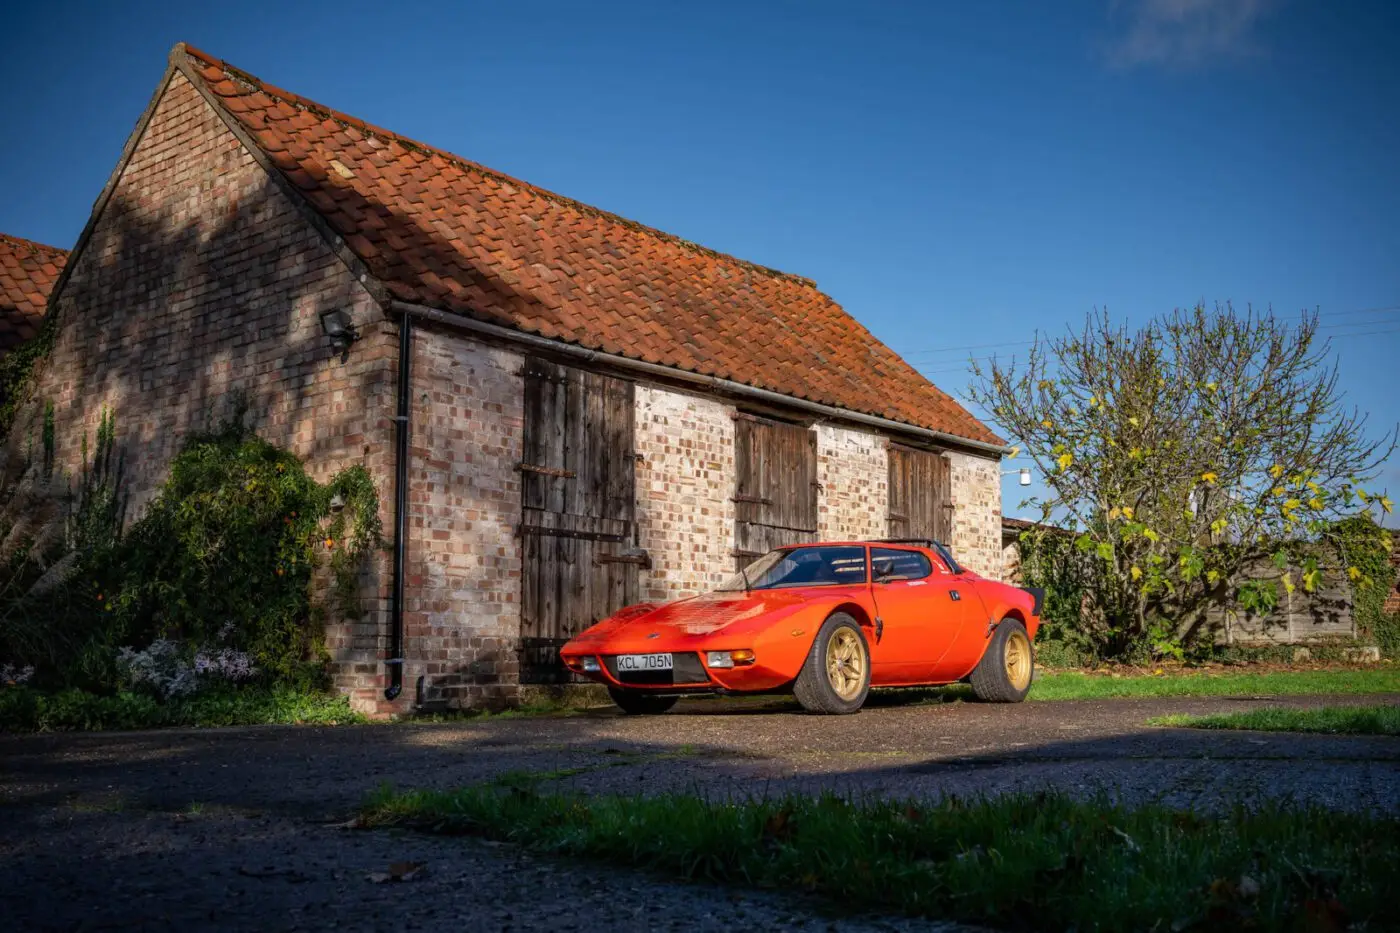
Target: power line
pixel 1325 316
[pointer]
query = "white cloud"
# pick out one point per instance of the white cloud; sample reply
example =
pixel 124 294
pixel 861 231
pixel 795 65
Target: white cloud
pixel 1186 33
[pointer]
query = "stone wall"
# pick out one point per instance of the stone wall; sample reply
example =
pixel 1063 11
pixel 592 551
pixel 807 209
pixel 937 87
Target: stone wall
pixel 201 283
pixel 853 498
pixel 685 481
pixel 462 609
pixel 976 539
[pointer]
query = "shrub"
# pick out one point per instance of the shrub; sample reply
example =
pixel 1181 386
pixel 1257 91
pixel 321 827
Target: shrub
pixel 226 552
pixel 50 532
pixel 221 565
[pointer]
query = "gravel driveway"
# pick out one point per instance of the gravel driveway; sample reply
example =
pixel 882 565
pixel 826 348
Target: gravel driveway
pixel 232 829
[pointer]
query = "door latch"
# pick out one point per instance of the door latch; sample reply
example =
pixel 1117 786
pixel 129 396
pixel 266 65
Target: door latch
pixel 879 629
pixel 953 594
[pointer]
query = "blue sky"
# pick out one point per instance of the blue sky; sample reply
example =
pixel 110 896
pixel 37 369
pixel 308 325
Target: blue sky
pixel 954 174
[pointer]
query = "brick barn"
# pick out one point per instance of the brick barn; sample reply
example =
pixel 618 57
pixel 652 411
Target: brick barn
pixel 596 412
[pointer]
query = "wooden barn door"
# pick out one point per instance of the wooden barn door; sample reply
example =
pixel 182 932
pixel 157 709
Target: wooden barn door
pixel 921 494
pixel 775 497
pixel 578 492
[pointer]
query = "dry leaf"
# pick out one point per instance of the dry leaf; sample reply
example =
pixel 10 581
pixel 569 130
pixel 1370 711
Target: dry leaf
pixel 400 871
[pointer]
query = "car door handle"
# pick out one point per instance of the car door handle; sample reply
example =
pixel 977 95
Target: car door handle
pixel 954 595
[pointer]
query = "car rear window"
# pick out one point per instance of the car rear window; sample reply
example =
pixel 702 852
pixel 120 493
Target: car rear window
pixel 890 564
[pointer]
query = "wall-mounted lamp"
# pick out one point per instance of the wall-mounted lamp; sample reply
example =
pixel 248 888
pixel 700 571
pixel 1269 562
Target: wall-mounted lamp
pixel 341 329
pixel 1025 475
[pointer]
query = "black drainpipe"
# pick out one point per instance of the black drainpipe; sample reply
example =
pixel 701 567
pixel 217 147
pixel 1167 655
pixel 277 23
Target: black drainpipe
pixel 395 660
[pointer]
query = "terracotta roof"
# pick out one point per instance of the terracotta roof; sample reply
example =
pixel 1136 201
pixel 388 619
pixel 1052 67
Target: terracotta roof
pixel 27 273
pixel 441 231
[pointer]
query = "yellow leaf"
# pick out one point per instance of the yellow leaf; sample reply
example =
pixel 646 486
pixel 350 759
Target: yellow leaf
pixel 1212 576
pixel 1288 582
pixel 1047 423
pixel 1354 573
pixel 1386 504
pixel 1276 471
pixel 1127 511
pixel 1136 572
pixel 1065 459
pixel 1113 513
pixel 1150 535
pixel 1045 384
pixel 1135 453
pixel 1277 490
pixel 1133 422
pixel 1209 477
pixel 1211 387
pixel 1316 504
pixel 1292 504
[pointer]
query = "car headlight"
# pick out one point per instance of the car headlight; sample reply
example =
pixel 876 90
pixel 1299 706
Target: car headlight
pixel 590 665
pixel 739 656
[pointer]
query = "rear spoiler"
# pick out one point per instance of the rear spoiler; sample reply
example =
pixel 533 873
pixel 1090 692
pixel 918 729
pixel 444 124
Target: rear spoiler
pixel 1038 594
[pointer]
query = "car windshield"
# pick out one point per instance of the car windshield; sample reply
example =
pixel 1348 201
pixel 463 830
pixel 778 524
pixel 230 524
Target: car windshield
pixel 802 566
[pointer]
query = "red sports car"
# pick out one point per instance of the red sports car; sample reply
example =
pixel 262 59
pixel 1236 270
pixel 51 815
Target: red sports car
pixel 826 622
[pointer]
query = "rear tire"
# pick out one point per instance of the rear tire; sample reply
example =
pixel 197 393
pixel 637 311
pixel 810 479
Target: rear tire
pixel 1007 667
pixel 835 678
pixel 638 703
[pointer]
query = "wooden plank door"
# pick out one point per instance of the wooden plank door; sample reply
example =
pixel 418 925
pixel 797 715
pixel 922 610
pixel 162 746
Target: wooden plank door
pixel 578 493
pixel 775 497
pixel 921 494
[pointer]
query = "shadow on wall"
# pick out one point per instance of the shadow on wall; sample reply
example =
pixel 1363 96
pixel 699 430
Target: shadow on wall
pixel 170 318
pixel 173 312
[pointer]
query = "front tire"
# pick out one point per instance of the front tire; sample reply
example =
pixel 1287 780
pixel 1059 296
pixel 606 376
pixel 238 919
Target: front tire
pixel 638 703
pixel 1007 667
pixel 835 678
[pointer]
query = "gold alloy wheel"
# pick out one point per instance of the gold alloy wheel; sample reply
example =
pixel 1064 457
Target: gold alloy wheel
pixel 1018 660
pixel 845 662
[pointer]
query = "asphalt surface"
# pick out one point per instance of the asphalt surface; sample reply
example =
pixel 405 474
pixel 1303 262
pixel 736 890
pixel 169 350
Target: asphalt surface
pixel 234 829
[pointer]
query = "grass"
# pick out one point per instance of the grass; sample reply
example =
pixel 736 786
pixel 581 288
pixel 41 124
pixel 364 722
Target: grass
pixel 1039 861
pixel 1350 720
pixel 26 710
pixel 1080 686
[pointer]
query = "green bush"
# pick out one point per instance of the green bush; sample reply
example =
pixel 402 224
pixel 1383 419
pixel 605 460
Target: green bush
pixel 230 545
pixel 224 556
pixel 1386 633
pixel 27 710
pixel 1366 546
pixel 1050 560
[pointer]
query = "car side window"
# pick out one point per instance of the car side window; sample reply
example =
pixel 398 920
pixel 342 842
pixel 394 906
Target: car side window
pixel 888 565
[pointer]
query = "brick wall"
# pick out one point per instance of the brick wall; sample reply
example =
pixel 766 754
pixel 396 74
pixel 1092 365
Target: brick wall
pixel 853 470
pixel 976 483
pixel 462 609
pixel 685 478
pixel 201 279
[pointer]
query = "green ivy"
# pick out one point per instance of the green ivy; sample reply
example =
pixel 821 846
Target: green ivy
pixel 17 370
pixel 228 549
pixel 1366 547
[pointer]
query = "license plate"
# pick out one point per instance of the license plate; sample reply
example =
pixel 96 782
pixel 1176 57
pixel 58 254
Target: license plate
pixel 643 662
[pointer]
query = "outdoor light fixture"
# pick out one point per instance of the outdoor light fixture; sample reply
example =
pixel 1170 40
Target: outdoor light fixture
pixel 1024 473
pixel 338 326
